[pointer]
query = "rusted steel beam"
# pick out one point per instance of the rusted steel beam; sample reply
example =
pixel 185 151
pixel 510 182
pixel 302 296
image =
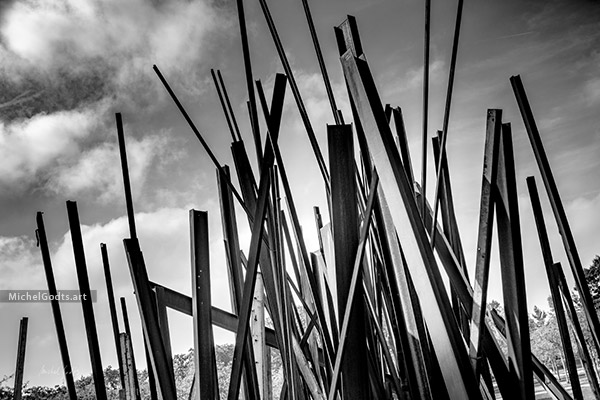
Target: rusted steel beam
pixel 582 345
pixel 511 262
pixel 204 347
pixel 133 372
pixel 18 387
pixel 344 218
pixel 557 208
pixel 113 310
pixel 86 301
pixel 553 281
pixel 484 235
pixel 446 338
pixel 58 321
pixel 149 318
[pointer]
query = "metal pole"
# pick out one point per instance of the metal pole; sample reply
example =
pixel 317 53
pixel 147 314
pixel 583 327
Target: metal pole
pixel 58 321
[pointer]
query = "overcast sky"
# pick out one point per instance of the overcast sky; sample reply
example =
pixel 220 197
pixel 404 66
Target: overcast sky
pixel 66 66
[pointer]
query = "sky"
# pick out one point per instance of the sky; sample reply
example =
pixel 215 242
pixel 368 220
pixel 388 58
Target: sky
pixel 66 67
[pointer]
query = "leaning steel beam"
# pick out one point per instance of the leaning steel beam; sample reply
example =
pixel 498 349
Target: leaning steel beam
pixel 148 314
pixel 543 374
pixel 163 324
pixel 223 319
pixel 582 345
pixel 222 101
pixel 446 338
pixel 204 346
pixel 296 92
pixel 557 207
pixel 484 235
pixel 126 182
pixel 426 45
pixel 18 387
pixel 244 313
pixel 553 281
pixel 511 262
pixel 337 115
pixel 113 310
pixel 86 301
pixel 403 143
pixel 58 321
pixel 446 121
pixel 127 362
pixel 249 79
pixel 344 218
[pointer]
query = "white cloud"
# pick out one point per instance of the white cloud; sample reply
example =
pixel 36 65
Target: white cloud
pixel 27 147
pixel 98 171
pixel 67 33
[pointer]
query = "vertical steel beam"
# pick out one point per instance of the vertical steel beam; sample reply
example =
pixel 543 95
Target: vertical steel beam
pixel 345 241
pixel 113 310
pixel 58 321
pixel 152 387
pixel 86 301
pixel 18 389
pixel 484 235
pixel 128 367
pixel 557 207
pixel 147 308
pixel 511 262
pixel 204 354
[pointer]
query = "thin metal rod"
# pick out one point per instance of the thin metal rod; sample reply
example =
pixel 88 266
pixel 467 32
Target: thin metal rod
pixel 58 321
pixel 126 182
pixel 198 135
pixel 296 92
pixel 249 79
pixel 231 113
pixel 446 115
pixel 337 116
pixel 425 102
pixel 212 73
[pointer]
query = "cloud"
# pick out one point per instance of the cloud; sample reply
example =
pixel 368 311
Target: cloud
pixel 28 147
pixel 97 171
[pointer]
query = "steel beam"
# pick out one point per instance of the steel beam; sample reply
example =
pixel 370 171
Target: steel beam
pixel 86 301
pixel 58 321
pixel 557 208
pixel 18 387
